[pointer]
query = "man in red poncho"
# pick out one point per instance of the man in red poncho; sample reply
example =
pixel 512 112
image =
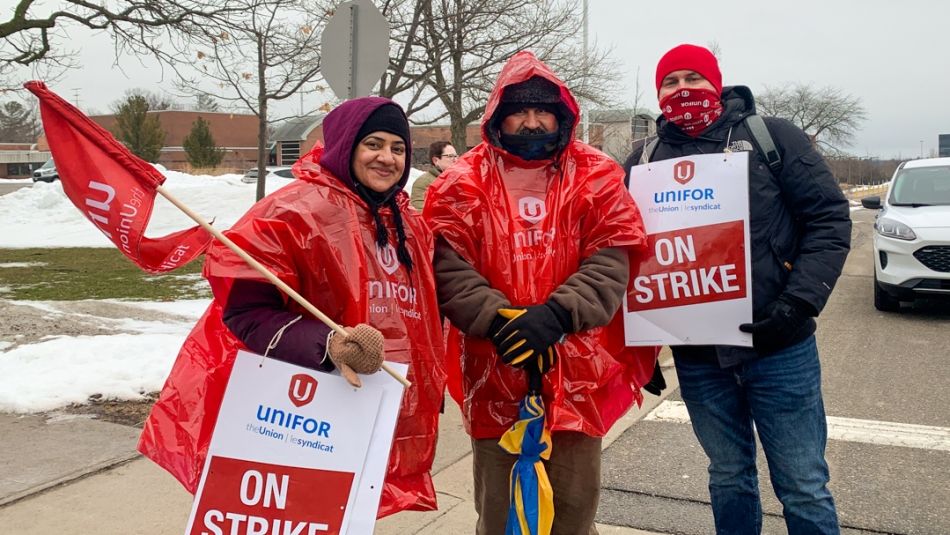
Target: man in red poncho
pixel 343 237
pixel 534 230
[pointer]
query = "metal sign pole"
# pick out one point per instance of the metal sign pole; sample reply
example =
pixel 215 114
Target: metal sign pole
pixel 351 85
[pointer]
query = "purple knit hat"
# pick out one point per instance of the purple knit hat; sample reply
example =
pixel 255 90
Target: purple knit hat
pixel 340 129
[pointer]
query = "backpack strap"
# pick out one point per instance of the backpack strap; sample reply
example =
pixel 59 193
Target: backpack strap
pixel 764 142
pixel 648 149
pixel 760 136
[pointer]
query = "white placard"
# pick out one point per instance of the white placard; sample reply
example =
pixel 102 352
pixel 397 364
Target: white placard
pixel 295 449
pixel 694 285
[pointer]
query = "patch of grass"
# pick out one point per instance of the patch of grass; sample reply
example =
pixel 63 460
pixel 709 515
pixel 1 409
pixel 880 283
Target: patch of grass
pixel 92 273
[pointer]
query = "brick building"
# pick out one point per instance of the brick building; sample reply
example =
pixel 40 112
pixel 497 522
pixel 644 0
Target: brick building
pixel 423 136
pixel 234 133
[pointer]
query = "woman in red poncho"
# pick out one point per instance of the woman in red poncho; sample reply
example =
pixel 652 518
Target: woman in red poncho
pixel 341 236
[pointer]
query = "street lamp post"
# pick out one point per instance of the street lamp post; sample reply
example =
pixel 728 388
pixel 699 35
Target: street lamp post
pixel 921 149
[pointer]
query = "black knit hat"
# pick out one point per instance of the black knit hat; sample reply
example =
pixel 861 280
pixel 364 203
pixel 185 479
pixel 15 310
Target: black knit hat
pixel 534 90
pixel 387 118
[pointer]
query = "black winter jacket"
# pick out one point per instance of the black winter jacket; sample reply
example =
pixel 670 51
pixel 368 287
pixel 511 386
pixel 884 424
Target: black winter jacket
pixel 800 222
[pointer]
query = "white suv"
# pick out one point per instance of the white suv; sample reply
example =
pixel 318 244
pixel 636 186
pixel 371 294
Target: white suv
pixel 912 238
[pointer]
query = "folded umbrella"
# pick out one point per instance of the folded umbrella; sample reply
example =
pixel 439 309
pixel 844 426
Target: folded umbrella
pixel 531 511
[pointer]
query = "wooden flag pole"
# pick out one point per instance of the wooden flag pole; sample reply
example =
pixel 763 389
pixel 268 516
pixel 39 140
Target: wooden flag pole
pixel 268 275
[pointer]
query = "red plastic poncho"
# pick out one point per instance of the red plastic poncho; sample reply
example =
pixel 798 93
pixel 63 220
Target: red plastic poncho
pixel 318 237
pixel 596 378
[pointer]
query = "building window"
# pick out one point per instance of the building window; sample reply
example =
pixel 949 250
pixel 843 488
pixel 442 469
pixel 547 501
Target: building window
pixel 289 152
pixel 20 169
pixel 639 127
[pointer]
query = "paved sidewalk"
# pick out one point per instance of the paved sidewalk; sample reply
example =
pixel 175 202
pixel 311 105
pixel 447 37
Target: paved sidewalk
pixel 70 475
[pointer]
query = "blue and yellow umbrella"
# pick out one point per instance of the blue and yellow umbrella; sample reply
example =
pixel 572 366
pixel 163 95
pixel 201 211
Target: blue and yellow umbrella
pixel 532 500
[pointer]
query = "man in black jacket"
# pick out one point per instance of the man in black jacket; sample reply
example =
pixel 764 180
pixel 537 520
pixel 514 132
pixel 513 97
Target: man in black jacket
pixel 800 233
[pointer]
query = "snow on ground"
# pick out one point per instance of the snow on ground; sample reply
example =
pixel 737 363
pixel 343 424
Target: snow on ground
pixel 56 371
pixel 22 264
pixel 60 370
pixel 42 215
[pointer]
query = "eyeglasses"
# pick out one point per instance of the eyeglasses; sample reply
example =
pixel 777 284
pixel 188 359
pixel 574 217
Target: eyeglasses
pixel 450 156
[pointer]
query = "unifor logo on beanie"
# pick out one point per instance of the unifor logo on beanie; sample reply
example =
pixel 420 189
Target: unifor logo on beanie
pixel 532 209
pixel 386 256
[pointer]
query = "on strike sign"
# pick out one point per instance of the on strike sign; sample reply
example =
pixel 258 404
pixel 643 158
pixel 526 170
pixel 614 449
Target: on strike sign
pixel 294 452
pixel 266 499
pixel 693 284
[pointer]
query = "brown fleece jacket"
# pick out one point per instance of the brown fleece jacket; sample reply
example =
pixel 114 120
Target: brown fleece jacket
pixel 592 295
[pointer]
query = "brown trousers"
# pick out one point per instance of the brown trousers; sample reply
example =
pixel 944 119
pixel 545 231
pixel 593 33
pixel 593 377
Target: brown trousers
pixel 574 471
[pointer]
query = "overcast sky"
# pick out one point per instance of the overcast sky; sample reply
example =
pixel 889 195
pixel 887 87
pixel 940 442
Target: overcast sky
pixel 894 56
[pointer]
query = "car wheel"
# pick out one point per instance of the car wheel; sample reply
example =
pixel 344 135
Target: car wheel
pixel 884 301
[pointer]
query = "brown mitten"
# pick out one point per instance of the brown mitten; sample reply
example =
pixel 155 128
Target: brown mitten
pixel 360 351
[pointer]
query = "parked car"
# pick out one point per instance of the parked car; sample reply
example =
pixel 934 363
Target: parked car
pixel 912 234
pixel 46 172
pixel 250 177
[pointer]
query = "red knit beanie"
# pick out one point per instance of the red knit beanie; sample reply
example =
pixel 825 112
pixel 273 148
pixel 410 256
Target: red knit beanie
pixel 692 58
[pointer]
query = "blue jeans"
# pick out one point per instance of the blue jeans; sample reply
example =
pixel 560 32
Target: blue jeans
pixel 781 395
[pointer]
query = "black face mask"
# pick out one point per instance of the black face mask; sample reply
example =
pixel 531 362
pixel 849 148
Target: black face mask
pixel 530 146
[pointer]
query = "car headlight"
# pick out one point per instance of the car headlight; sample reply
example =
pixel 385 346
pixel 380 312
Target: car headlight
pixel 894 229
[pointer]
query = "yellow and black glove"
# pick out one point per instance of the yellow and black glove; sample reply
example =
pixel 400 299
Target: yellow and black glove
pixel 528 336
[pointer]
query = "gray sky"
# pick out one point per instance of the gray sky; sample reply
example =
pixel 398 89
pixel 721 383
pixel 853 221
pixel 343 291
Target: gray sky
pixel 892 55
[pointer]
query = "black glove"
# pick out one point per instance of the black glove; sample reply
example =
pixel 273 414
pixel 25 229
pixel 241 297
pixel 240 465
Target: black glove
pixel 530 334
pixel 657 383
pixel 783 319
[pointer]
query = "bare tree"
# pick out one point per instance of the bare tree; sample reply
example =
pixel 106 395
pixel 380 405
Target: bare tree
pixel 266 54
pixel 854 170
pixel 620 128
pixel 36 33
pixel 449 53
pixel 829 116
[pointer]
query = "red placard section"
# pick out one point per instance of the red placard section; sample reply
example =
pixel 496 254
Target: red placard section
pixel 252 498
pixel 690 266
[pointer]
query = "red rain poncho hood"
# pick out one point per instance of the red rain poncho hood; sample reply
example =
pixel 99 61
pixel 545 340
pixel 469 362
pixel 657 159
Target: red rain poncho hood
pixel 586 209
pixel 316 235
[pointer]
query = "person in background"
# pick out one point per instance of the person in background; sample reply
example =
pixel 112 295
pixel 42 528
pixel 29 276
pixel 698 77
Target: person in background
pixel 800 230
pixel 442 155
pixel 534 233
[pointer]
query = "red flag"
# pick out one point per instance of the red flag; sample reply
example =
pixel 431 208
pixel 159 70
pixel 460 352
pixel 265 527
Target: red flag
pixel 111 186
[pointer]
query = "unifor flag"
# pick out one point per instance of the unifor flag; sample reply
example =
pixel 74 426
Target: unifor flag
pixel 112 187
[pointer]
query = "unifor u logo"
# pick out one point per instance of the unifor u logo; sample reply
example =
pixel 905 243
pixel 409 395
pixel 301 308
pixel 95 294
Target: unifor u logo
pixel 386 256
pixel 532 209
pixel 302 389
pixel 683 171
